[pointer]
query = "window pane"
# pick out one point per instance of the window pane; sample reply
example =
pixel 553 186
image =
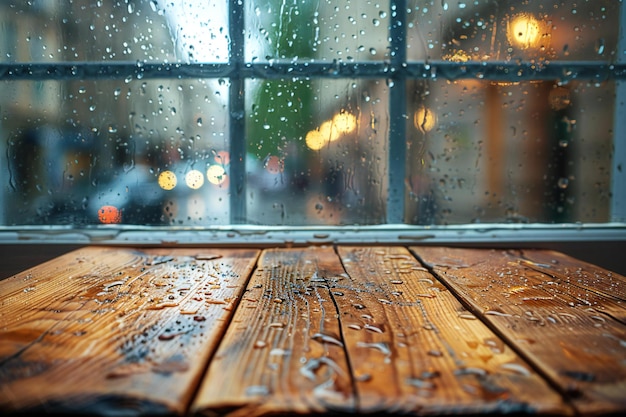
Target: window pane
pixel 123 30
pixel 487 30
pixel 115 151
pixel 352 30
pixel 317 151
pixel 126 121
pixel 509 152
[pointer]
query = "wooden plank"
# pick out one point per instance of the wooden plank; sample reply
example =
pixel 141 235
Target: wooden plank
pixel 383 337
pixel 414 349
pixel 566 317
pixel 115 330
pixel 283 351
pixel 583 280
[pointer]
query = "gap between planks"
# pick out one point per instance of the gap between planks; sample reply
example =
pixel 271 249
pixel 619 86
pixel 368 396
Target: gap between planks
pixel 362 329
pixel 354 329
pixel 115 330
pixel 566 317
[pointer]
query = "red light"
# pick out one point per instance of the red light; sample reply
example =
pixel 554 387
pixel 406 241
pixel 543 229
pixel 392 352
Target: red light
pixel 222 158
pixel 109 215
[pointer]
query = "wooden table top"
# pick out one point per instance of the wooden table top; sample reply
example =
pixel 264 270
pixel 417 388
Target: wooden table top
pixel 317 330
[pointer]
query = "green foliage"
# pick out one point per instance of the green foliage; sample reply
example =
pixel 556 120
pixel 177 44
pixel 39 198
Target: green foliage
pixel 282 109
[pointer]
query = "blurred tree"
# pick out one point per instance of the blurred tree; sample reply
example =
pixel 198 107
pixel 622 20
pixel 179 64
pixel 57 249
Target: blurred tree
pixel 282 109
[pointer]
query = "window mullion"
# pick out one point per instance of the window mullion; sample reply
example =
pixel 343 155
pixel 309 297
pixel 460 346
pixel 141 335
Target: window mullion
pixel 237 128
pixel 397 112
pixel 618 177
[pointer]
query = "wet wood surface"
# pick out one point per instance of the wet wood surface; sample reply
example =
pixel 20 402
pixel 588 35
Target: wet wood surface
pixel 115 331
pixel 309 331
pixel 284 349
pixel 566 317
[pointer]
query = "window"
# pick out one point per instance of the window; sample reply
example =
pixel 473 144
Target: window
pixel 428 119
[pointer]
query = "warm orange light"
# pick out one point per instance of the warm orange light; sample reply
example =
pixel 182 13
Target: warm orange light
pixel 194 179
pixel 317 138
pixel 273 165
pixel 458 56
pixel 216 174
pixel 167 180
pixel 341 124
pixel 344 123
pixel 109 215
pixel 222 157
pixel 524 31
pixel 424 119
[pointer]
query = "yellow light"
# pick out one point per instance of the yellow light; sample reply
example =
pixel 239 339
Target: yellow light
pixel 216 174
pixel 167 180
pixel 344 123
pixel 317 138
pixel 458 56
pixel 194 179
pixel 331 130
pixel 424 119
pixel 524 31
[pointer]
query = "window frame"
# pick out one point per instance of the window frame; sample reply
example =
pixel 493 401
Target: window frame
pixel 399 70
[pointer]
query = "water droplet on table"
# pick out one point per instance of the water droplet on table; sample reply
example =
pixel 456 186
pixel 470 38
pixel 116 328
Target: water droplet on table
pixel 257 390
pixel 327 338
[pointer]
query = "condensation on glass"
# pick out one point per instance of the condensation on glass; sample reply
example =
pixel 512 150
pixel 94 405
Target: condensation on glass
pixel 509 151
pixel 316 147
pixel 317 151
pixel 483 151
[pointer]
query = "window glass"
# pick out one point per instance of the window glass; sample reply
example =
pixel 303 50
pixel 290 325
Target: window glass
pixel 483 30
pixel 144 30
pixel 330 112
pixel 149 151
pixel 343 31
pixel 317 151
pixel 483 152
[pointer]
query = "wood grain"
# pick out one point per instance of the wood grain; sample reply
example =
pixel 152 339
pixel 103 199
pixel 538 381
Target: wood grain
pixel 283 352
pixel 115 331
pixel 566 317
pixel 381 335
pixel 421 351
pixel 367 329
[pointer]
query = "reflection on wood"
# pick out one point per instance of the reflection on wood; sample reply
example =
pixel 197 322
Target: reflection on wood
pixel 437 357
pixel 351 329
pixel 103 330
pixel 564 316
pixel 283 351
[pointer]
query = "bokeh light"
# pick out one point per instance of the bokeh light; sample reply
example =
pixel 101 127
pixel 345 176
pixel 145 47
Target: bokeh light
pixel 109 215
pixel 344 122
pixel 194 179
pixel 524 31
pixel 222 157
pixel 331 130
pixel 216 174
pixel 167 180
pixel 424 119
pixel 317 138
pixel 274 165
